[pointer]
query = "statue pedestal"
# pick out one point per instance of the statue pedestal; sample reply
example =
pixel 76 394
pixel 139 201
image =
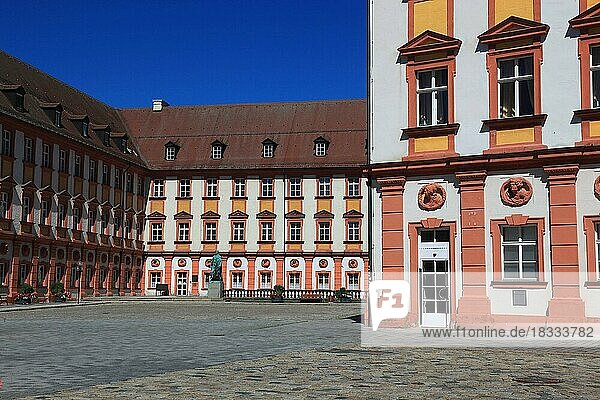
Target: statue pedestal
pixel 215 290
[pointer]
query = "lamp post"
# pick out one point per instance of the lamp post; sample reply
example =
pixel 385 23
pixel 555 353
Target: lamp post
pixel 79 270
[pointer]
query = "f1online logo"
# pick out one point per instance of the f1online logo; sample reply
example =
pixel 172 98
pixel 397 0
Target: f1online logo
pixel 388 300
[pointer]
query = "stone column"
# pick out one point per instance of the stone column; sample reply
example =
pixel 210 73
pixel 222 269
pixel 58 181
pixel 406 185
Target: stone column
pixel 96 277
pixel 279 279
pixel 474 305
pixel 566 304
pixel 338 281
pixel 51 269
pixel 251 272
pixel 167 278
pixel 392 206
pixel 122 276
pixel 109 278
pixel 35 260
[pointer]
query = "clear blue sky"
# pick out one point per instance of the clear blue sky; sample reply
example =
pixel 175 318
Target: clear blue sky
pixel 126 53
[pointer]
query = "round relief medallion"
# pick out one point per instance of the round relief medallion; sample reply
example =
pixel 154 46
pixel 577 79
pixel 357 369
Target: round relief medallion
pixel 207 263
pixel 182 262
pixel 127 260
pixel 116 260
pixel 431 197
pixel 294 263
pixel 104 258
pixel 265 263
pixel 60 254
pixel 3 248
pixel 76 256
pixel 597 187
pixel 25 251
pixel 353 263
pixel 516 192
pixel 138 262
pixel 90 257
pixel 44 252
pixel 155 262
pixel 237 263
pixel 323 263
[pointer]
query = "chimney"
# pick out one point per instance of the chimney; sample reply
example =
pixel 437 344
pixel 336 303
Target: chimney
pixel 158 104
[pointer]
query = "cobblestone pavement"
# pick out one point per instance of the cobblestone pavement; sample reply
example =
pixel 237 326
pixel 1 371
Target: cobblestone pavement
pixel 277 351
pixel 45 350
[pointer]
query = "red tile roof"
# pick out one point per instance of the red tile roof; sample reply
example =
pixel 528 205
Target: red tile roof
pixel 243 128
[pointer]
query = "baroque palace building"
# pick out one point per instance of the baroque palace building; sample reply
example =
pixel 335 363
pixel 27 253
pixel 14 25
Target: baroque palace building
pixel 131 198
pixel 484 145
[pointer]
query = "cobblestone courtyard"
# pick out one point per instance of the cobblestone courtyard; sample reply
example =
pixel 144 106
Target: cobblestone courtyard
pixel 189 350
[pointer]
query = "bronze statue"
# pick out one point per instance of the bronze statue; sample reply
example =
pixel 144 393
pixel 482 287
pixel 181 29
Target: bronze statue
pixel 215 267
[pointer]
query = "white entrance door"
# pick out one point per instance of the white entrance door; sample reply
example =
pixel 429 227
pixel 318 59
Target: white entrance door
pixel 434 278
pixel 182 284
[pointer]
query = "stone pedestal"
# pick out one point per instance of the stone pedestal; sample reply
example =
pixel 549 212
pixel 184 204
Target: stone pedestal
pixel 215 290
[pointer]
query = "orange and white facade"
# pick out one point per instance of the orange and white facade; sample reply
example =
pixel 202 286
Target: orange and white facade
pixel 484 148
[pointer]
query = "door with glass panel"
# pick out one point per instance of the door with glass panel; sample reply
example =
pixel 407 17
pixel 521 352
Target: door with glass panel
pixel 182 284
pixel 434 277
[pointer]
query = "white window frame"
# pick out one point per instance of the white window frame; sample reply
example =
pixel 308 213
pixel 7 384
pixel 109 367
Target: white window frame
pixel 212 187
pixel 295 231
pixel 353 187
pixel 105 174
pixel 57 118
pixel 239 187
pixel 63 161
pixel 353 231
pixel 266 231
pixel 239 231
pixel 185 188
pixel 4 204
pixel 28 155
pixel 78 168
pixel 267 187
pixel 520 244
pixel 434 88
pixel 295 187
pixel 170 153
pixel 268 150
pixel 76 217
pixel 158 188
pixel 26 208
pixel 237 280
pixel 350 284
pixel 320 149
pixel 6 143
pixel 515 79
pixel 323 281
pixel 324 231
pixel 46 159
pixel 3 273
pixel 156 232
pixel 91 221
pixel 594 68
pixel 210 231
pixel 294 281
pixel 266 280
pixel 183 233
pixel 217 152
pixel 62 215
pixel 324 186
pixel 44 212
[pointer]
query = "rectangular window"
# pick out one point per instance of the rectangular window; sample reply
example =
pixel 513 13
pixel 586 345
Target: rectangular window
pixel 154 279
pixel 515 87
pixel 353 231
pixel 3 273
pixel 140 186
pixel 26 210
pixel 185 188
pixel 595 71
pixel 294 281
pixel 239 187
pixel 128 228
pixel 432 97
pixel 58 276
pixel 324 231
pixel 117 224
pixel 170 153
pixel 324 187
pixel 268 150
pixel 158 188
pixel 323 281
pixel 104 220
pixel 57 117
pixel 217 152
pixel 210 232
pixel 266 231
pixel 206 280
pixel 6 143
pixel 267 187
pixel 353 187
pixel 353 281
pixel 45 213
pixel 105 174
pixel 138 230
pixel 295 187
pixel 76 217
pixel 28 152
pixel 89 274
pixel 85 128
pixel 184 231
pixel 295 231
pixel 212 186
pixel 62 215
pixel 63 161
pixel 320 149
pixel 265 280
pixel 4 205
pixel 23 274
pixel 46 156
pixel 238 231
pixel 91 221
pixel 520 252
pixel 157 232
pixel 118 176
pixel 128 183
pixel 237 281
pixel 93 170
pixel 78 167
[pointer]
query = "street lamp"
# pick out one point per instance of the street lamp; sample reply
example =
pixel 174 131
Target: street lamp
pixel 79 269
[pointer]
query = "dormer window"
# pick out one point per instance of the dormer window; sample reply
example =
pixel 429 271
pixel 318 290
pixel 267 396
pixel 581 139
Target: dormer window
pixel 103 132
pixel 268 148
pixel 85 126
pixel 106 138
pixel 82 123
pixel 57 117
pixel 171 150
pixel 218 148
pixel 124 144
pixel 16 95
pixel 321 146
pixel 20 101
pixel 54 112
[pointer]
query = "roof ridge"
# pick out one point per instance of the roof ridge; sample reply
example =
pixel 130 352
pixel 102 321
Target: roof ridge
pixel 224 105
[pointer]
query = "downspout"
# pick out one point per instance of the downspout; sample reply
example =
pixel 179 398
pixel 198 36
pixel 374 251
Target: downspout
pixel 368 146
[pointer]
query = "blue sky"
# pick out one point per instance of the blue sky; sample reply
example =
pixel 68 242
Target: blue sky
pixel 194 52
